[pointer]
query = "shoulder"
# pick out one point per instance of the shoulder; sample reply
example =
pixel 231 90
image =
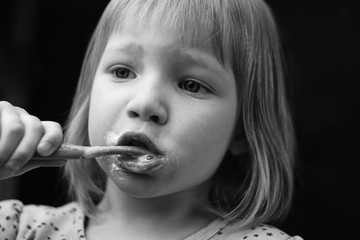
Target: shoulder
pixel 261 232
pixel 39 222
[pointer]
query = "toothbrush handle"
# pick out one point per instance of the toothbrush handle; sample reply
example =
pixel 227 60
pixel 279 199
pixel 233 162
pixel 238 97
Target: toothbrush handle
pixel 65 151
pixel 71 151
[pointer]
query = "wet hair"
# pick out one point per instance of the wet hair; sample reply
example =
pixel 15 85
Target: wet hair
pixel 252 188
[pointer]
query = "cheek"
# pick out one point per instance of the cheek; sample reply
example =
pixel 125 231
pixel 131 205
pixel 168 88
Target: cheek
pixel 213 124
pixel 102 112
pixel 206 135
pixel 200 148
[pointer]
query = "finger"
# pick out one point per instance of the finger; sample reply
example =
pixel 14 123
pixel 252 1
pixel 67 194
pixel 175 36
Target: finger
pixel 12 130
pixel 52 138
pixel 20 110
pixel 34 131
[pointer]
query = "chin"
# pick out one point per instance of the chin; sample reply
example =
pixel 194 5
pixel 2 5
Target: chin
pixel 137 185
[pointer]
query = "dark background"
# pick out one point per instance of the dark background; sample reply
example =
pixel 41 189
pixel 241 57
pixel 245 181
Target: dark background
pixel 42 43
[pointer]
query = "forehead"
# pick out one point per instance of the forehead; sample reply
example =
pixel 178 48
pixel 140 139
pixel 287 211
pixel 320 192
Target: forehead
pixel 193 24
pixel 162 45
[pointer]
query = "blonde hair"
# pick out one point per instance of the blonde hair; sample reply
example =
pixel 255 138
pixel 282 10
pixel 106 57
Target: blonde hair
pixel 253 188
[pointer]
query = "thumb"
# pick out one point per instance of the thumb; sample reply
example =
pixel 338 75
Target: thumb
pixel 51 139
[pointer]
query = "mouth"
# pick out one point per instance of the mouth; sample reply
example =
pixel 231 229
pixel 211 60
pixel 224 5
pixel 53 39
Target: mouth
pixel 139 140
pixel 149 159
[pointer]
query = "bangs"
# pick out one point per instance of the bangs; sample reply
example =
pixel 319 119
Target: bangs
pixel 197 23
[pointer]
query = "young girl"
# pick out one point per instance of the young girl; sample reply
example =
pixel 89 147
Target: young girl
pixel 196 82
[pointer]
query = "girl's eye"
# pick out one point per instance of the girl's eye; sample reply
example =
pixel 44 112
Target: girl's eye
pixel 121 72
pixel 192 86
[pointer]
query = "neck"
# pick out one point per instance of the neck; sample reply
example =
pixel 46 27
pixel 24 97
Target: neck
pixel 173 208
pixel 174 216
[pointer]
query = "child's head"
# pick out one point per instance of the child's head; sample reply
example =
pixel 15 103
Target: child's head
pixel 240 123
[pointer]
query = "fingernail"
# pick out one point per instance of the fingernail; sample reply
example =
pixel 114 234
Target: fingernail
pixel 44 148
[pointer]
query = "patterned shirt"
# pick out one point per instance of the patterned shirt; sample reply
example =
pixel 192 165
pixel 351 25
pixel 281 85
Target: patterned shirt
pixel 34 222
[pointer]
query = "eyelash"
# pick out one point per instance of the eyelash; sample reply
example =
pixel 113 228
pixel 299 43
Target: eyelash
pixel 114 72
pixel 200 86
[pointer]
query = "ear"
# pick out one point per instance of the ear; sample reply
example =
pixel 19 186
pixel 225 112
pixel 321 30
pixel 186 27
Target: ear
pixel 238 146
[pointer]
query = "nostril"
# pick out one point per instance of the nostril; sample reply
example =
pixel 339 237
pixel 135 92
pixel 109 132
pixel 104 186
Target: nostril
pixel 133 114
pixel 154 118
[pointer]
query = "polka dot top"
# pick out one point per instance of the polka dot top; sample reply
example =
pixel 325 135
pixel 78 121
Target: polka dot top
pixel 34 222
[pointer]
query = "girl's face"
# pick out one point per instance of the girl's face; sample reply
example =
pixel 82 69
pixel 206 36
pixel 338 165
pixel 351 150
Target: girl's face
pixel 181 97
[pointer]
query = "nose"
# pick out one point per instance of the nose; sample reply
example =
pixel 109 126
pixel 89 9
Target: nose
pixel 148 104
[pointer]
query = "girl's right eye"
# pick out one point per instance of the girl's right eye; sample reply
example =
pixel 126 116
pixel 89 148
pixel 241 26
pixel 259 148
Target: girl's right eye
pixel 123 73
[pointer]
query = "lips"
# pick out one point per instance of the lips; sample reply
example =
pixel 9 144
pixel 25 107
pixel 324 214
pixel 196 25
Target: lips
pixel 145 157
pixel 139 140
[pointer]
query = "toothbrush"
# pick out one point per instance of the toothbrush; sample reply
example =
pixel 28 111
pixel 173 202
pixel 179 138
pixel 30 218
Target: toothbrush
pixel 71 151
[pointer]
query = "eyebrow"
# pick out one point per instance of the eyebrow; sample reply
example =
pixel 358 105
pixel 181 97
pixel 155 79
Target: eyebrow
pixel 208 62
pixel 131 48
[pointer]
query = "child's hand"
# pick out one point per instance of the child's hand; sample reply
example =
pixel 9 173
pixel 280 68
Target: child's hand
pixel 21 134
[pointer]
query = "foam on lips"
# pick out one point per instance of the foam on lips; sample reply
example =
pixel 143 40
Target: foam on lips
pixel 144 163
pixel 111 138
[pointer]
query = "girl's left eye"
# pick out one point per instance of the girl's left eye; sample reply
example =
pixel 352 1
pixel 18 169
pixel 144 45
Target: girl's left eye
pixel 123 73
pixel 194 87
